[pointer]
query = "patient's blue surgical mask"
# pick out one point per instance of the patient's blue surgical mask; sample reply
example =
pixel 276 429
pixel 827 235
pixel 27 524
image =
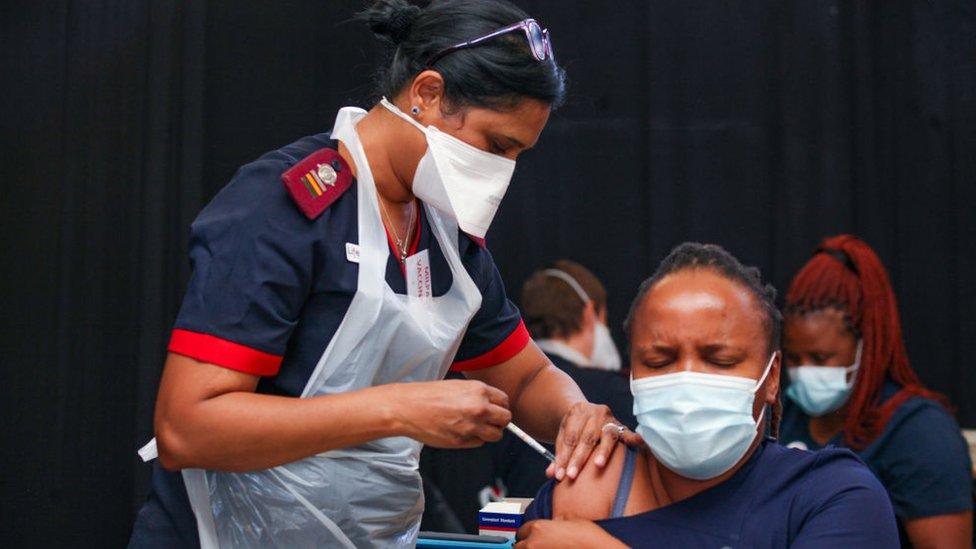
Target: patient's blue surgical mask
pixel 698 425
pixel 819 390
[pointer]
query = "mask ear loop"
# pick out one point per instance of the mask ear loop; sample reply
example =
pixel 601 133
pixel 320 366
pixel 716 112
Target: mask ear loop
pixel 568 279
pixel 762 379
pixel 857 357
pixel 769 367
pixel 396 110
pixel 856 367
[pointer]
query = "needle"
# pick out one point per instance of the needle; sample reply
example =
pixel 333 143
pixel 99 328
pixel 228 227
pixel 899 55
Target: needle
pixel 533 443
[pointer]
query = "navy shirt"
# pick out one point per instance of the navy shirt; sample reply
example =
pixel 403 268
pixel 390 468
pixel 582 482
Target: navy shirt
pixel 781 497
pixel 520 468
pixel 921 457
pixel 270 287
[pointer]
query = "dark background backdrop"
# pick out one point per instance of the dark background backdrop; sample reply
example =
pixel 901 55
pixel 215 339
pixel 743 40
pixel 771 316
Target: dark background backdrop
pixel 762 126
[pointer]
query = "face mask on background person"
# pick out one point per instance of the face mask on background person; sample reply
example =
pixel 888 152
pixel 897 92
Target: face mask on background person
pixel 698 425
pixel 605 355
pixel 459 179
pixel 819 390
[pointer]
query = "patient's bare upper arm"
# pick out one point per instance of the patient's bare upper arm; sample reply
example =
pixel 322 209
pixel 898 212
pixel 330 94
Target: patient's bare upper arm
pixel 591 495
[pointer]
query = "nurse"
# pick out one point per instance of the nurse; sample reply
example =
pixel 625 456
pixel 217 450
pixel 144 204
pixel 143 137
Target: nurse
pixel 704 353
pixel 337 279
pixel 851 385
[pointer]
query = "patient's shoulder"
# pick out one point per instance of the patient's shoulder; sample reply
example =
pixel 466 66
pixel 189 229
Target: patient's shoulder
pixel 591 495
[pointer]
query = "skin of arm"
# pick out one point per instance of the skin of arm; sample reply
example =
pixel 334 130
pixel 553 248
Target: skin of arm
pixel 210 417
pixel 590 496
pixel 949 531
pixel 540 394
pixel 577 503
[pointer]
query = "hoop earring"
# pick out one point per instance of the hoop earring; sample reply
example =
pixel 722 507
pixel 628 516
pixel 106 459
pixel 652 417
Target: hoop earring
pixel 415 110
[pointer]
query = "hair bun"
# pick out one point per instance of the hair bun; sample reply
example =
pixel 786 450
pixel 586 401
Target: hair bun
pixel 392 19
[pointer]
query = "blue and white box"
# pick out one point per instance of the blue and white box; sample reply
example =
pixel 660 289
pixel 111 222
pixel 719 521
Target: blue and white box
pixel 502 518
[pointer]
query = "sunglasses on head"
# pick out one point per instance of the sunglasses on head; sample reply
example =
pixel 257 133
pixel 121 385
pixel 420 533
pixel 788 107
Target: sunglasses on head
pixel 538 39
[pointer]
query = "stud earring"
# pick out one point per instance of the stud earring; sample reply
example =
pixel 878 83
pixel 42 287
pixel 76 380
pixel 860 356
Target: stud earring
pixel 415 110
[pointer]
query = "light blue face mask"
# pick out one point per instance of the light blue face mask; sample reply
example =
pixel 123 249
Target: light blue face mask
pixel 698 425
pixel 819 390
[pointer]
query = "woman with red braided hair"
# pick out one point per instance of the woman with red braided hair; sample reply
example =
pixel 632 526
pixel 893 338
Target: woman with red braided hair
pixel 851 385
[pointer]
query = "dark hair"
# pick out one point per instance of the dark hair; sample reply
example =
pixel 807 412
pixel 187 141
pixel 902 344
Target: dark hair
pixel 693 255
pixel 551 307
pixel 845 274
pixel 497 74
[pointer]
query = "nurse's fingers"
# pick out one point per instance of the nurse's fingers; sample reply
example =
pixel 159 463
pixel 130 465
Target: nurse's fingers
pixel 566 441
pixel 588 438
pixel 467 442
pixel 632 439
pixel 496 396
pixel 495 415
pixel 487 425
pixel 489 433
pixel 611 433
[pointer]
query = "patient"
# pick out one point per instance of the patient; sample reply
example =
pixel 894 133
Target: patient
pixel 704 337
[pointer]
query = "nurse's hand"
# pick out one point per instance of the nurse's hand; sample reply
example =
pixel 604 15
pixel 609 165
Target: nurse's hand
pixel 587 432
pixel 540 534
pixel 453 413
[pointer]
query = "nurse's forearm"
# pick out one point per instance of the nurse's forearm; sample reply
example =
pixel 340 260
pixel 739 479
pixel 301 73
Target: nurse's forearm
pixel 209 417
pixel 247 431
pixel 539 394
pixel 547 403
pixel 544 402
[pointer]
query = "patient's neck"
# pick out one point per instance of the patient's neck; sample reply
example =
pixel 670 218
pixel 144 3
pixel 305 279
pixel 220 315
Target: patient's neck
pixel 670 487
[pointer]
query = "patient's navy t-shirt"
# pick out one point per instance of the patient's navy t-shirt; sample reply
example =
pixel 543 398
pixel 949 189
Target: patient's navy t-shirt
pixel 781 497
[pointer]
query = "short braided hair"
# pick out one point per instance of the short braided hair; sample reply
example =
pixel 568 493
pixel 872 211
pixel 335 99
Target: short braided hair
pixel 694 255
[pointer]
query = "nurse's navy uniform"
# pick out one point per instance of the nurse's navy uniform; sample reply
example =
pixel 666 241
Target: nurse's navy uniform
pixel 293 281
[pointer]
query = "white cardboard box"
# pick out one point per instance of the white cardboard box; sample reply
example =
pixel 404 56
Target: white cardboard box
pixel 502 518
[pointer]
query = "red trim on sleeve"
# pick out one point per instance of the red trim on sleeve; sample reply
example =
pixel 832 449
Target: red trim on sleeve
pixel 513 345
pixel 214 350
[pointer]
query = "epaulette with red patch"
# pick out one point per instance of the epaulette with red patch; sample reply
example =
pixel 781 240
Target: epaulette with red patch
pixel 318 181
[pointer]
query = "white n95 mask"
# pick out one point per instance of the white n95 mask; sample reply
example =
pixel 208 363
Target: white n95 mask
pixel 459 179
pixel 605 354
pixel 698 425
pixel 819 390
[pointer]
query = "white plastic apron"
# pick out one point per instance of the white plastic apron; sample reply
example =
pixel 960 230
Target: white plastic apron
pixel 370 495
